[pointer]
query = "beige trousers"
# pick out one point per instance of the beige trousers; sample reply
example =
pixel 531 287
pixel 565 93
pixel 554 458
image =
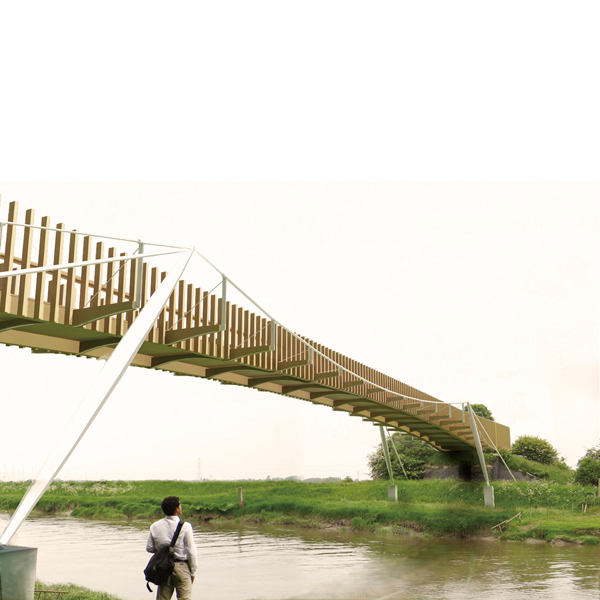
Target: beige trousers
pixel 180 580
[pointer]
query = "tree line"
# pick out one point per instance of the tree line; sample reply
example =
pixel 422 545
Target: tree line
pixel 414 454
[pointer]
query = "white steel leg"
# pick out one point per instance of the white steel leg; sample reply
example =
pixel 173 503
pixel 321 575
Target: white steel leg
pixel 98 394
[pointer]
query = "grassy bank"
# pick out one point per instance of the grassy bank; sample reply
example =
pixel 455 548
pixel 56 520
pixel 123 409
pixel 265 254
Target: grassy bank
pixel 549 510
pixel 76 592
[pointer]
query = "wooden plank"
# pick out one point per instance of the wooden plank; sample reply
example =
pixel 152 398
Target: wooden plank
pixel 252 340
pixel 324 375
pixel 145 281
pixel 9 255
pixel 243 343
pixel 70 296
pixel 40 283
pixel 110 288
pixel 171 313
pixel 227 332
pixel 189 315
pixel 162 318
pixel 25 280
pixel 16 323
pixel 290 364
pixel 93 314
pixel 264 341
pixel 95 301
pixel 132 290
pixel 237 336
pixel 250 351
pixel 84 284
pixel 180 321
pixel 89 345
pixel 197 317
pixel 353 383
pixel 411 405
pixel 219 337
pixel 270 360
pixel 259 341
pixel 56 275
pixel 158 361
pixel 205 321
pixel 153 335
pixel 179 335
pixel 212 345
pixel 233 325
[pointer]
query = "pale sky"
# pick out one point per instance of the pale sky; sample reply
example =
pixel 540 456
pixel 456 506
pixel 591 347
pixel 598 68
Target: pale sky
pixel 484 292
pixel 478 292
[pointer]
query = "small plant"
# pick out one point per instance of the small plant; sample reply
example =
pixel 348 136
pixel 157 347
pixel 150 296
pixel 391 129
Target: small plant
pixel 358 523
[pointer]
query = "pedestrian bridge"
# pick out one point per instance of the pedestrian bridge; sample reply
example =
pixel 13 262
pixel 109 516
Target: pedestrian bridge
pixel 64 291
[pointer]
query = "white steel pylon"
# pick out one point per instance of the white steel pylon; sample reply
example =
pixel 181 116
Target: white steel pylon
pixel 97 395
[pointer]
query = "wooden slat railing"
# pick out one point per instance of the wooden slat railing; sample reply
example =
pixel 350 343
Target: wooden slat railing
pixel 97 304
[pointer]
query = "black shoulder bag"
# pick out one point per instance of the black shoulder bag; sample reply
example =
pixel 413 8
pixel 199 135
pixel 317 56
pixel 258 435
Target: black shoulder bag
pixel 161 565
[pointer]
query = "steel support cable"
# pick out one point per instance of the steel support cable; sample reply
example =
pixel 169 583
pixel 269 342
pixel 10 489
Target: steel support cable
pixel 193 307
pixel 396 451
pixel 86 263
pixel 111 278
pixel 383 389
pixel 104 237
pixel 480 427
pixel 386 454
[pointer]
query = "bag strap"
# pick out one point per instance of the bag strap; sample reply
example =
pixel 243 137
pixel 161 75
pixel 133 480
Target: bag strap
pixel 176 534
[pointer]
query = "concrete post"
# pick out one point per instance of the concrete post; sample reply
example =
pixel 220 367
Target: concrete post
pixel 393 493
pixel 488 496
pixel 17 572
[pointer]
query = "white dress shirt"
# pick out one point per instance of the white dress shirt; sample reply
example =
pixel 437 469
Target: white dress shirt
pixel 161 534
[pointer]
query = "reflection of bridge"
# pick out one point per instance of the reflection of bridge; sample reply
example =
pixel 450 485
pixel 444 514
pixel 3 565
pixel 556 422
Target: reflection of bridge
pixel 86 307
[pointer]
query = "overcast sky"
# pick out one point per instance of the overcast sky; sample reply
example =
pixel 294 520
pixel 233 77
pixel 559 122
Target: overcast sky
pixel 481 292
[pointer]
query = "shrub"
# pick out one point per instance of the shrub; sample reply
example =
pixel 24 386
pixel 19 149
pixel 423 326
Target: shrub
pixel 588 471
pixel 358 523
pixel 413 454
pixel 536 449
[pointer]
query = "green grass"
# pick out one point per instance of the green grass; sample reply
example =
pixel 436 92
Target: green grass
pixel 76 592
pixel 556 473
pixel 439 507
pixel 555 525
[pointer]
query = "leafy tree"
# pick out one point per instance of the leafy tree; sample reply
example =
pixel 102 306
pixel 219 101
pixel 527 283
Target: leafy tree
pixel 481 410
pixel 588 467
pixel 592 453
pixel 536 449
pixel 413 453
pixel 588 472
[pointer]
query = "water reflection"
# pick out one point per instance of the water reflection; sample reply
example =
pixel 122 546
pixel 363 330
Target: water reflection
pixel 283 563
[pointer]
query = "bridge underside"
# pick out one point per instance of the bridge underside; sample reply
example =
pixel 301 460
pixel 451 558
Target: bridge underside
pixel 445 427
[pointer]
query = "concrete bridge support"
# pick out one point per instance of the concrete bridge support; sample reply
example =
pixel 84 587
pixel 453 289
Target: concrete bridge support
pixel 17 572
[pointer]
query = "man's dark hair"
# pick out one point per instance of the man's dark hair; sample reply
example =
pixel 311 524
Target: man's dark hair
pixel 169 505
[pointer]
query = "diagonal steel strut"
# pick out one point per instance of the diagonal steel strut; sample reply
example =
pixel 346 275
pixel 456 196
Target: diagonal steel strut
pixel 97 395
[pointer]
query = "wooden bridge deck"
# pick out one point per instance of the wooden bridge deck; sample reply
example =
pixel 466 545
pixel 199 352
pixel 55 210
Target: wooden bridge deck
pixel 86 310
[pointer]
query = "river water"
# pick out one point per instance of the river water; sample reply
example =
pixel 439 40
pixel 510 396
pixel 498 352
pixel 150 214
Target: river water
pixel 242 563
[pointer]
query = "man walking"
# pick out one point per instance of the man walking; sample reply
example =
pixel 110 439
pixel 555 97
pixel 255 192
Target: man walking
pixel 186 562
